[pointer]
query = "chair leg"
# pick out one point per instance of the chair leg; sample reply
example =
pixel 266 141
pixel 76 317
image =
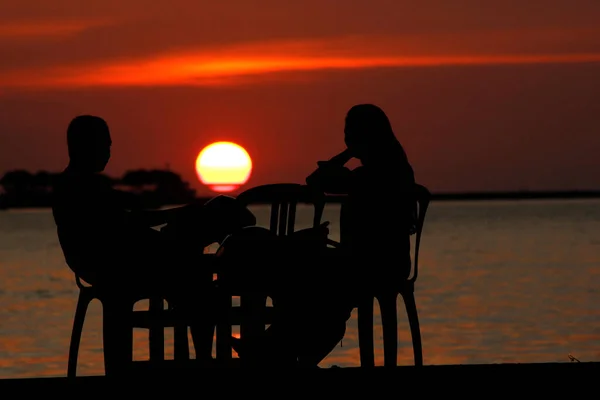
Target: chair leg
pixel 365 333
pixel 156 333
pixel 78 320
pixel 117 337
pixel 224 331
pixel 202 337
pixel 180 335
pixel 413 320
pixel 389 322
pixel 181 342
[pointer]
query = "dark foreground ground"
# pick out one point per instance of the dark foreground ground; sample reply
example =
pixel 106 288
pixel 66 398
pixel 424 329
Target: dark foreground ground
pixel 484 381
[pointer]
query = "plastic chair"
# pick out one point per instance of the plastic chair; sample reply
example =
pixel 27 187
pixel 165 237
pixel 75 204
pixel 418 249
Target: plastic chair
pixel 387 305
pixel 252 315
pixel 118 321
pixel 388 309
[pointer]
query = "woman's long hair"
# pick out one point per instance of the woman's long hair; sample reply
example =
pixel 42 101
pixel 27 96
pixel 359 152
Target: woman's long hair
pixel 377 139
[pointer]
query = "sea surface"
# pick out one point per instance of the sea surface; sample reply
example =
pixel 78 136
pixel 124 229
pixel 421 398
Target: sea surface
pixel 500 281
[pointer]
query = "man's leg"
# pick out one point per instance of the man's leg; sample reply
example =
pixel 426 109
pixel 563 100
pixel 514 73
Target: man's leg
pixel 178 269
pixel 196 303
pixel 191 290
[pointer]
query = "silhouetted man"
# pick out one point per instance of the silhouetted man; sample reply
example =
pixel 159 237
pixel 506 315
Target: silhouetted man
pixel 108 240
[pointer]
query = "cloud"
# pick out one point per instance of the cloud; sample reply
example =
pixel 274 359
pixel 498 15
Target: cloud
pixel 46 28
pixel 229 65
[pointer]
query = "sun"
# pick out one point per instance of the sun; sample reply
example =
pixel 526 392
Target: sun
pixel 223 166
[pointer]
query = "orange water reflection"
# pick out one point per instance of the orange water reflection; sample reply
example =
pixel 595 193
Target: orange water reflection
pixel 500 282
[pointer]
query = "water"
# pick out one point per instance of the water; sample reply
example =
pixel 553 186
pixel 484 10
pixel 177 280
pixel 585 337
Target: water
pixel 499 282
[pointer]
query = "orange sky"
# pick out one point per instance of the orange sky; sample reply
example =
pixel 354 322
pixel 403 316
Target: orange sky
pixel 499 96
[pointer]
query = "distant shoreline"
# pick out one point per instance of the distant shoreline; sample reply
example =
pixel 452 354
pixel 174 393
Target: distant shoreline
pixel 516 195
pixel 469 196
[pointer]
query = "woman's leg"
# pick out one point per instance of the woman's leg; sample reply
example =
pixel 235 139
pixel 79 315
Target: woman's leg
pixel 310 327
pixel 319 341
pixel 313 317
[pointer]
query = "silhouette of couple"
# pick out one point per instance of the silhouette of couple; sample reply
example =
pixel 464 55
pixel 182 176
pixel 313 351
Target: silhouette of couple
pixel 108 239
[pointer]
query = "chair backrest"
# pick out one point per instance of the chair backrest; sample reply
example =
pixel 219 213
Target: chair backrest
pixel 283 198
pixel 423 197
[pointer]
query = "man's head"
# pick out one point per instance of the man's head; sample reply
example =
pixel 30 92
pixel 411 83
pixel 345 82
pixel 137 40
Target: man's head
pixel 89 142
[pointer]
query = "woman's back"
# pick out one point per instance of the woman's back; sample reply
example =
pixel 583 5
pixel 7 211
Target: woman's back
pixel 378 217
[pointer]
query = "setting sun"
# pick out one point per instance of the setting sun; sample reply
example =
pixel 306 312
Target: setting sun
pixel 223 166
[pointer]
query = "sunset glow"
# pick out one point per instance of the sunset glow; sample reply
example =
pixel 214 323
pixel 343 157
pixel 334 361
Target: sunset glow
pixel 229 65
pixel 493 106
pixel 485 80
pixel 49 28
pixel 223 166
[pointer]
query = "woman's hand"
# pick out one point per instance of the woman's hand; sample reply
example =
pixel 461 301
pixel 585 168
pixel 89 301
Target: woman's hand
pixel 331 176
pixel 339 159
pixel 327 175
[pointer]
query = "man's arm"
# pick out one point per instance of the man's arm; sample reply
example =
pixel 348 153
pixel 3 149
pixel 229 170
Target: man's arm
pixel 153 217
pixel 140 216
pixel 194 210
pixel 126 200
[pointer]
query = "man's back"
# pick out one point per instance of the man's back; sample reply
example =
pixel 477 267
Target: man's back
pixel 92 226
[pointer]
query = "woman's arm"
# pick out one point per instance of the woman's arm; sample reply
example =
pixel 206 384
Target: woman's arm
pixel 331 176
pixel 339 159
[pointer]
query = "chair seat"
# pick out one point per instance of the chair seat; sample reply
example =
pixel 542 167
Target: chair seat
pixel 139 318
pixel 119 319
pixel 107 292
pixel 236 314
pixel 167 318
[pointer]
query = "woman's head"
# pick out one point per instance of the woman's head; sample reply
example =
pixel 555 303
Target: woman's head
pixel 368 131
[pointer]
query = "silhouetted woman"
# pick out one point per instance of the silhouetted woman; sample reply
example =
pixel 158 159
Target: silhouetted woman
pixel 376 222
pixel 378 214
pixel 377 218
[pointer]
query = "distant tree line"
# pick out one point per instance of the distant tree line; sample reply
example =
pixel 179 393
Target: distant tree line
pixel 156 188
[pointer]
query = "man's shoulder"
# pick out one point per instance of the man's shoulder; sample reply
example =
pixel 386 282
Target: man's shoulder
pixel 72 191
pixel 68 181
pixel 65 180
